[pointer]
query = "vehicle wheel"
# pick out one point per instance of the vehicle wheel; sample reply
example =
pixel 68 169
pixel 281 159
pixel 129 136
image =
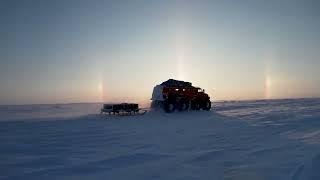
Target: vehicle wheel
pixel 169 106
pixel 207 105
pixel 195 105
pixel 183 106
pixel 154 104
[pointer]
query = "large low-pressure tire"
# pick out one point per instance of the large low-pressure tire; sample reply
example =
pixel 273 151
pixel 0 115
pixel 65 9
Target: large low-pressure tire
pixel 169 106
pixel 183 105
pixel 195 105
pixel 206 105
pixel 155 105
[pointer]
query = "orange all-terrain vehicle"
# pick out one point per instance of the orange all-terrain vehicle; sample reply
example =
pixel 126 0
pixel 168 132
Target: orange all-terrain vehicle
pixel 174 95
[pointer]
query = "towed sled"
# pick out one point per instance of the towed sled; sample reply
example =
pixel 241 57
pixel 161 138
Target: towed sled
pixel 123 109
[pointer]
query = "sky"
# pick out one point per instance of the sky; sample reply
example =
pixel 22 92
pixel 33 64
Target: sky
pixel 113 51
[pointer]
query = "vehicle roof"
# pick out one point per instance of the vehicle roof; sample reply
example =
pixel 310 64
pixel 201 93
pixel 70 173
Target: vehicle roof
pixel 176 83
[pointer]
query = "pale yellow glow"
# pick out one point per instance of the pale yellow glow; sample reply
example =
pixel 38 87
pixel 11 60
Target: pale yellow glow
pixel 267 87
pixel 181 74
pixel 180 52
pixel 100 90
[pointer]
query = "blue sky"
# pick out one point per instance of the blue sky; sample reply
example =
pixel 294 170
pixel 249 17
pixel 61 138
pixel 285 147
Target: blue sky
pixel 89 51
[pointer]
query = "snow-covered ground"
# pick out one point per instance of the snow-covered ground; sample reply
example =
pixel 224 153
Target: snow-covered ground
pixel 278 139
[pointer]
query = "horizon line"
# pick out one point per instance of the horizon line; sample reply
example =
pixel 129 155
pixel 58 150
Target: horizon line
pixel 218 101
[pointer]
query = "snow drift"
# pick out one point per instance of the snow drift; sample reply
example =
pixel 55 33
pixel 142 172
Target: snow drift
pixel 278 139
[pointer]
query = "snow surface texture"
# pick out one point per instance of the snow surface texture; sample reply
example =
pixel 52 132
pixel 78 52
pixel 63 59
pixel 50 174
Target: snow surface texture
pixel 248 140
